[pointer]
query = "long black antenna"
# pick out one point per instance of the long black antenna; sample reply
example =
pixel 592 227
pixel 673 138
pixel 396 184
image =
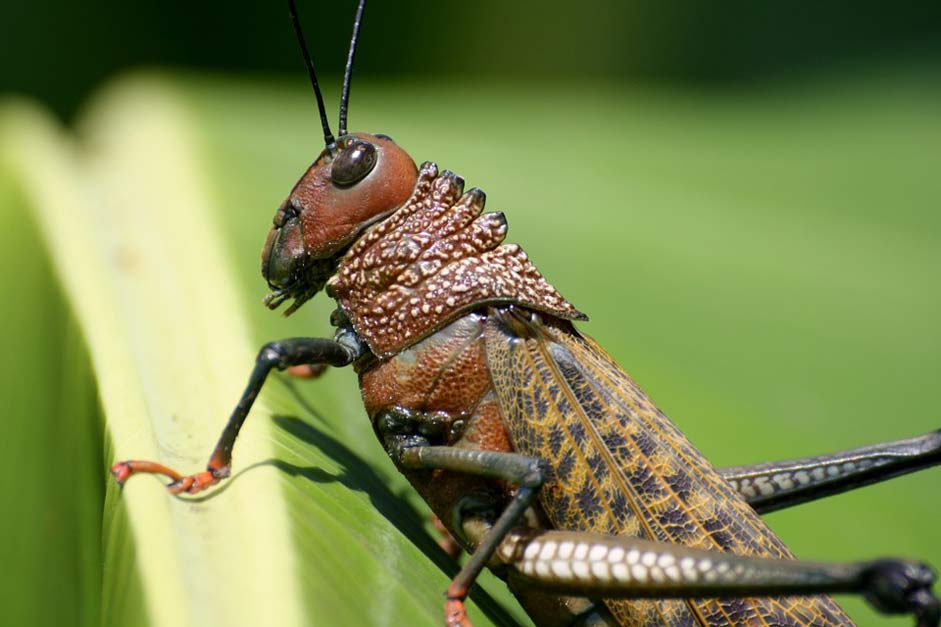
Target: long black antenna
pixel 328 138
pixel 345 96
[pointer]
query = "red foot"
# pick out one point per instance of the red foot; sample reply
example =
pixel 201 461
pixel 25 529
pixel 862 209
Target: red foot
pixel 454 613
pixel 190 484
pixel 193 484
pixel 307 371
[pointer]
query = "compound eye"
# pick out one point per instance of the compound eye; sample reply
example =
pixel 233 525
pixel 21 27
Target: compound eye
pixel 353 163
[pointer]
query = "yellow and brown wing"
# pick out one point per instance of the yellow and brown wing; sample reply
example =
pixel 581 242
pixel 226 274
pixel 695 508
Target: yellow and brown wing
pixel 619 466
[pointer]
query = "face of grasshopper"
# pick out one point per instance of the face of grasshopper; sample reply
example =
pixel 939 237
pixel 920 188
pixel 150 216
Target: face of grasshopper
pixel 341 194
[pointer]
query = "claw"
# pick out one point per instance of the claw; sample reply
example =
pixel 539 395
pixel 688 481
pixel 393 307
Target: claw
pixel 925 607
pixel 902 587
pixel 121 471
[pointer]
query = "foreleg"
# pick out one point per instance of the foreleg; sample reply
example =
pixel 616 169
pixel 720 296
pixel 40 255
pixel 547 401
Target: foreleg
pixel 274 355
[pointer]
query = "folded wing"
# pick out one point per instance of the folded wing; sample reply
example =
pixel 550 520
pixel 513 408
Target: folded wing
pixel 619 466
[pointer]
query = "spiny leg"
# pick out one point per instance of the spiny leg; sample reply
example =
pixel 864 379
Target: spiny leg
pixel 775 485
pixel 613 566
pixel 280 355
pixel 524 471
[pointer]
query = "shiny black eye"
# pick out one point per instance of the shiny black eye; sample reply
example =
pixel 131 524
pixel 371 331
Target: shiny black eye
pixel 353 163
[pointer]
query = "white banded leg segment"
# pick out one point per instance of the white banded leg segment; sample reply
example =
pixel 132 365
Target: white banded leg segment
pixel 612 566
pixel 767 482
pixel 775 485
pixel 594 562
pixel 576 562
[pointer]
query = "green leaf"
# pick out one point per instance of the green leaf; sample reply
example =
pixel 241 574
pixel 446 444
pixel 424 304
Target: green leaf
pixel 50 434
pixel 306 532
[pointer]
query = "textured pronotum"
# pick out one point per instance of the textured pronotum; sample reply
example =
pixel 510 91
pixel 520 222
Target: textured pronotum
pixel 432 259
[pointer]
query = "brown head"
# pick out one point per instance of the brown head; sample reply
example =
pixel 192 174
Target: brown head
pixel 341 194
pixel 356 181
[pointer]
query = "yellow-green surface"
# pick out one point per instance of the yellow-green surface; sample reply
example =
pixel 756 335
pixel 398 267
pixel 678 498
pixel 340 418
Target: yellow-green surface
pixel 766 265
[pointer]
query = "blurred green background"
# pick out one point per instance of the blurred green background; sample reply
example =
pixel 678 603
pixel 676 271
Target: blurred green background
pixel 59 51
pixel 744 198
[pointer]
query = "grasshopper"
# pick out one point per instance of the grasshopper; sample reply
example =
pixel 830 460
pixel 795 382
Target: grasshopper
pixel 537 452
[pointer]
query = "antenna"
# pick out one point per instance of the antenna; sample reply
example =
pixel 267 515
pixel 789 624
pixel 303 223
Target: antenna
pixel 345 96
pixel 328 138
